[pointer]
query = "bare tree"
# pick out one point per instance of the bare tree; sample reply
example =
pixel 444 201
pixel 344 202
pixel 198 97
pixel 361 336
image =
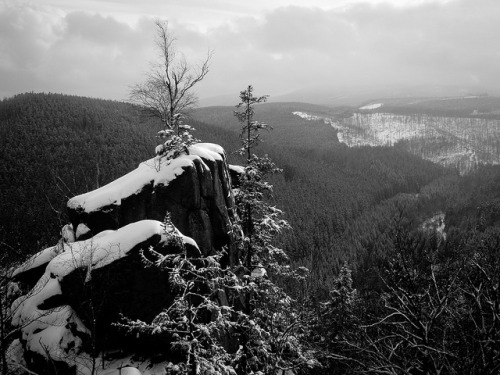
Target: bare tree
pixel 167 91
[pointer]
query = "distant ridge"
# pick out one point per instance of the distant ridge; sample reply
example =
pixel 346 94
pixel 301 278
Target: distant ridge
pixel 359 95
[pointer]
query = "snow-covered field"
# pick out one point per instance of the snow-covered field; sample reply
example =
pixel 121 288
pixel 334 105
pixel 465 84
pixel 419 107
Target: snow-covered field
pixel 371 106
pixel 450 141
pixel 435 224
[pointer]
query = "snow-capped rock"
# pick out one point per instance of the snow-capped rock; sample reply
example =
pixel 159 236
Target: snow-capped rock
pixel 194 187
pixel 55 317
pixel 96 272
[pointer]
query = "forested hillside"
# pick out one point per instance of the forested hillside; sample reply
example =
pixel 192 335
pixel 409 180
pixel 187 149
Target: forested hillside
pixel 340 201
pixel 55 146
pixel 482 106
pixel 402 252
pixel 325 185
pixel 461 143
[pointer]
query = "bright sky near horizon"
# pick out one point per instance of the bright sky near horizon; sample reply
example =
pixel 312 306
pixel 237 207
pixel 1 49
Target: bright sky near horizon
pixel 100 47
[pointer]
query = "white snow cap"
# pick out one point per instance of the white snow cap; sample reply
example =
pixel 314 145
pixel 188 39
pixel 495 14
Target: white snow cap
pixel 81 230
pixel 40 258
pixel 157 171
pixel 237 168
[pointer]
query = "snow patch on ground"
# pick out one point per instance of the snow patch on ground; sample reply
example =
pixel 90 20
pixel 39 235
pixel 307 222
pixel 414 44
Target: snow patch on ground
pixel 371 106
pixel 307 116
pixel 435 224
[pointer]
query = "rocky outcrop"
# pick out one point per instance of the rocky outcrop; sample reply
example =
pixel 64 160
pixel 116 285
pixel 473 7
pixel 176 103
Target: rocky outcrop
pixel 96 272
pixel 95 280
pixel 194 188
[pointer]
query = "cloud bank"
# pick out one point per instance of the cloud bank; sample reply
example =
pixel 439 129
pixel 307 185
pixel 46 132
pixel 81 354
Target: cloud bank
pixel 90 53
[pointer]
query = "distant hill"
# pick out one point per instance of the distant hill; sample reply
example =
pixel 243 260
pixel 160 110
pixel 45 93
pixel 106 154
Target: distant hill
pixel 325 184
pixel 482 106
pixel 461 133
pixel 358 95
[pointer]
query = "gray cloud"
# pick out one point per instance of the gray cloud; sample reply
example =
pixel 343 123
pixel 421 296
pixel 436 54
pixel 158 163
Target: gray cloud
pixel 80 53
pixel 431 44
pixel 452 43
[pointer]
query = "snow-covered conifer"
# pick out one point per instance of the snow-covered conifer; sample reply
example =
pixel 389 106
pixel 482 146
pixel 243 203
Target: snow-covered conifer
pixel 270 327
pixel 175 141
pixel 195 323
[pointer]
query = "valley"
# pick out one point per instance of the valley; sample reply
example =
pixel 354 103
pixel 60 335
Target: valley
pixel 362 189
pixel 250 188
pixel 345 170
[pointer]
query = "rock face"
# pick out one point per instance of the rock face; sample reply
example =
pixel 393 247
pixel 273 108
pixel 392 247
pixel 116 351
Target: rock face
pixel 96 272
pixel 194 188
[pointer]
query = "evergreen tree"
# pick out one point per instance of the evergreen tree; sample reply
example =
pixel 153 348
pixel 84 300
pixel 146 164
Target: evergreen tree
pixel 235 319
pixel 250 136
pixel 334 324
pixel 177 141
pixel 260 222
pixel 270 331
pixel 195 324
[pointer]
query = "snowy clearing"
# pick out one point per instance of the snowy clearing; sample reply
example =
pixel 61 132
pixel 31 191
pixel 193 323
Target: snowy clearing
pixel 372 106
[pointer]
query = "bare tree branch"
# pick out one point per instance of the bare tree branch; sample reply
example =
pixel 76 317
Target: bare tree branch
pixel 167 90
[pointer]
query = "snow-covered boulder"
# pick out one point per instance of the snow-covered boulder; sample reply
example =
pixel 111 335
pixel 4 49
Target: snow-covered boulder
pixel 89 281
pixel 195 188
pixel 236 171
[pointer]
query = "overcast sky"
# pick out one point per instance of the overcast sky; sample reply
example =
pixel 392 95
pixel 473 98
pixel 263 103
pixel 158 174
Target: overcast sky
pixel 100 47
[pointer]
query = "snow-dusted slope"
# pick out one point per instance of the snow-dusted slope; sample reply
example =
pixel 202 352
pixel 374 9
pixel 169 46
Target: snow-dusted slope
pixel 462 143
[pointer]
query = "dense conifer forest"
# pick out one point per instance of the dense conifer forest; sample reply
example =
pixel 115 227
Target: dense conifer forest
pixel 338 199
pixel 56 146
pixel 402 252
